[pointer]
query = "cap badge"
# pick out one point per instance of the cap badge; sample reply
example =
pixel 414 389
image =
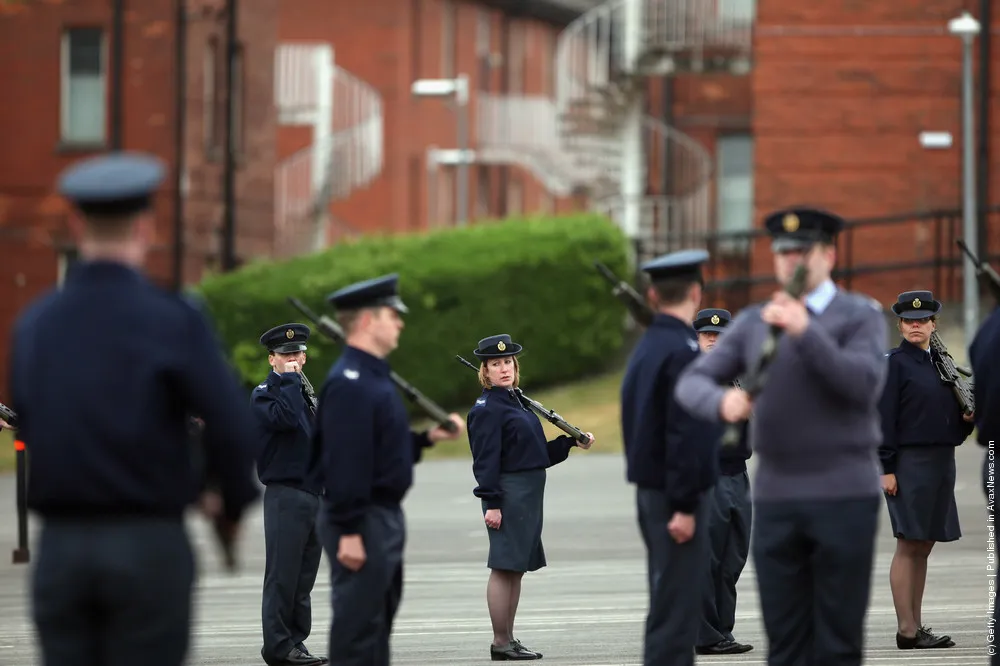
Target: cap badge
pixel 289 334
pixel 501 346
pixel 715 320
pixel 790 222
pixel 916 304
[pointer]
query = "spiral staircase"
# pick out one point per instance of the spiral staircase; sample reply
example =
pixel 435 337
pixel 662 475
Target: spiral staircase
pixel 595 139
pixel 345 153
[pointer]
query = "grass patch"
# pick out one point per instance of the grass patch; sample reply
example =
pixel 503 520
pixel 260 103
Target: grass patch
pixel 591 405
pixel 6 451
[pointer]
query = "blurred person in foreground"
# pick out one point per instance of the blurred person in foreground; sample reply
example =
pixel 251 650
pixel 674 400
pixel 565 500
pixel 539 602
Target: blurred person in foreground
pixel 510 455
pixel 922 423
pixel 815 432
pixel 368 452
pixel 104 373
pixel 672 458
pixel 730 515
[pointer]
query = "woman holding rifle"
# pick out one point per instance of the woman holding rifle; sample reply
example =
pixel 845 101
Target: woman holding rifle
pixel 510 455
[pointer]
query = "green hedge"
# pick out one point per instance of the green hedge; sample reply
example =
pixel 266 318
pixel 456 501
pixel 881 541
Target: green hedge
pixel 532 278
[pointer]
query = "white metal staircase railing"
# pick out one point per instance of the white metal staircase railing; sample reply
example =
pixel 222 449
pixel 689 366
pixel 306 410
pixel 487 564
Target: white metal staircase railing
pixel 346 152
pixel 603 61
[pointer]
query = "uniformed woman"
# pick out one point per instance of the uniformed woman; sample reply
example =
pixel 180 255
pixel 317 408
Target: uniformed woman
pixel 510 456
pixel 922 423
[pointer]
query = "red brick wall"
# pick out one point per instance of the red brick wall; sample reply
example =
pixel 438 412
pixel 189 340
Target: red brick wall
pixel 412 42
pixel 841 91
pixel 32 216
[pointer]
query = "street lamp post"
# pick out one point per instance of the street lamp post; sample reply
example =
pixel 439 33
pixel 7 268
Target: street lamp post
pixel 459 89
pixel 966 27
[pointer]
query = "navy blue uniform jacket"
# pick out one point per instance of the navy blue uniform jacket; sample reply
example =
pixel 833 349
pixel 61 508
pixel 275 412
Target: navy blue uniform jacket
pixel 984 356
pixel 666 448
pixel 917 408
pixel 286 452
pixel 366 445
pixel 104 374
pixel 506 436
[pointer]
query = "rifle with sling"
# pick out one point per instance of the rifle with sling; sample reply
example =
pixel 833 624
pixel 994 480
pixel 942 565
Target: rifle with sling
pixel 539 409
pixel 332 330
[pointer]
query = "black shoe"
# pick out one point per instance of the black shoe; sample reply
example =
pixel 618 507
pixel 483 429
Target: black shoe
pixel 924 640
pixel 926 631
pixel 511 652
pixel 297 658
pixel 303 650
pixel 727 646
pixel 518 645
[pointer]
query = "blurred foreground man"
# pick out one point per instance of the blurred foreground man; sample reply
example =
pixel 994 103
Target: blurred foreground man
pixel 815 430
pixel 104 373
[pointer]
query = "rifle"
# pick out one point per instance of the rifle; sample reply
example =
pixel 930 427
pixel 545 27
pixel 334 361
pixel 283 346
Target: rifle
pixel 983 270
pixel 952 374
pixel 753 381
pixel 311 401
pixel 624 292
pixel 8 415
pixel 539 409
pixel 332 330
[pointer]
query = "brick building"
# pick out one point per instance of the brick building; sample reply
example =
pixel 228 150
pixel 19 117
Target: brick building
pixel 64 95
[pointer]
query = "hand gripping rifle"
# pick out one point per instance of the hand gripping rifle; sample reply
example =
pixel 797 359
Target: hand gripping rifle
pixel 952 375
pixel 754 380
pixel 984 272
pixel 8 415
pixel 332 330
pixel 624 292
pixel 539 409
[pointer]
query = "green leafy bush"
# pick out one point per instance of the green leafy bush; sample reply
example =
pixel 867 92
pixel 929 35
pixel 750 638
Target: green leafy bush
pixel 532 278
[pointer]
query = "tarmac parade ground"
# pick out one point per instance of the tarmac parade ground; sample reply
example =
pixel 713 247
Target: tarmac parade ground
pixel 586 608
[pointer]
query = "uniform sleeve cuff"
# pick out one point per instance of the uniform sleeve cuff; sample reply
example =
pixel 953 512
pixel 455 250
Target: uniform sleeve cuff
pixel 494 503
pixel 688 506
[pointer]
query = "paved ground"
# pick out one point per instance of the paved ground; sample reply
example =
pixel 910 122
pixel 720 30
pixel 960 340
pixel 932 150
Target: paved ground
pixel 586 608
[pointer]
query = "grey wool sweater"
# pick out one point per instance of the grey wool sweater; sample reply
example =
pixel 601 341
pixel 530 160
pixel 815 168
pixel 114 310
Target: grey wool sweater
pixel 816 427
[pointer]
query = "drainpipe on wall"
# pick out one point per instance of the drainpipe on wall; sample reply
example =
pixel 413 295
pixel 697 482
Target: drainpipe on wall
pixel 117 70
pixel 180 103
pixel 983 149
pixel 229 168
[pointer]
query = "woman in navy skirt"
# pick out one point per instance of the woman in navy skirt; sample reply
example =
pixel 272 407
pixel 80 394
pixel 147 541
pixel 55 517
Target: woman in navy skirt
pixel 922 423
pixel 510 455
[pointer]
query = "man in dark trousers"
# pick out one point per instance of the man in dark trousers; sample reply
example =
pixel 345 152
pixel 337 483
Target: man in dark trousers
pixel 672 458
pixel 815 431
pixel 104 373
pixel 984 356
pixel 729 517
pixel 368 452
pixel 288 465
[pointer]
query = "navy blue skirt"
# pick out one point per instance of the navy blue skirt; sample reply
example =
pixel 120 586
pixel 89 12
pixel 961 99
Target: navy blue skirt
pixel 517 545
pixel 923 508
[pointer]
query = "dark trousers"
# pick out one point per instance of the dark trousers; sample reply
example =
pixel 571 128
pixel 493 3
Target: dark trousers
pixel 113 592
pixel 676 573
pixel 813 560
pixel 365 601
pixel 730 514
pixel 292 555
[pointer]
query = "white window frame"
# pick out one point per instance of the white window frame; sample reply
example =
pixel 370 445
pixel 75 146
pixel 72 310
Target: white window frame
pixel 65 103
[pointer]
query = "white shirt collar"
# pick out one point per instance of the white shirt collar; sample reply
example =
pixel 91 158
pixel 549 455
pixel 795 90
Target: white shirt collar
pixel 819 298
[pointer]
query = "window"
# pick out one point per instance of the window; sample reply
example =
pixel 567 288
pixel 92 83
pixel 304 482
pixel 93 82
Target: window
pixel 84 87
pixel 214 91
pixel 738 10
pixel 448 28
pixel 734 205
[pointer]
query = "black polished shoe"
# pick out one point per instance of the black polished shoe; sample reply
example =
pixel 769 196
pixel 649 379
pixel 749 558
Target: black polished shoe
pixel 511 652
pixel 727 646
pixel 922 641
pixel 306 652
pixel 947 642
pixel 518 645
pixel 298 658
